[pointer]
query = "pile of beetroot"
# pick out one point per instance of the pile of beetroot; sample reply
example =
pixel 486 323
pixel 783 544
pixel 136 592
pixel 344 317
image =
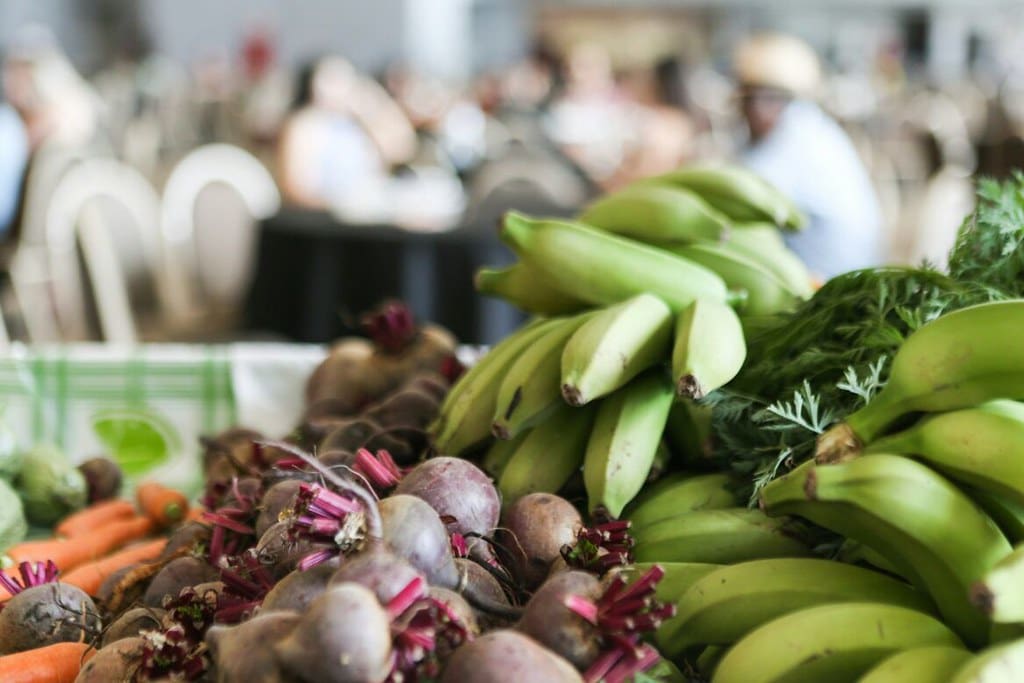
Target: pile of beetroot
pixel 340 555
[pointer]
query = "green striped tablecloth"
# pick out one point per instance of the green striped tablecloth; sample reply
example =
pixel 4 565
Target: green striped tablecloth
pixel 147 405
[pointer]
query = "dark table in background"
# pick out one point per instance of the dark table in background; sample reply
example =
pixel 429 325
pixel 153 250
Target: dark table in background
pixel 315 275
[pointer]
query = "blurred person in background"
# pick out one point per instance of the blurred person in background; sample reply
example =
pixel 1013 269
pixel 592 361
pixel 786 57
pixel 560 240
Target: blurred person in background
pixel 54 102
pixel 13 161
pixel 796 146
pixel 588 119
pixel 343 131
pixel 661 132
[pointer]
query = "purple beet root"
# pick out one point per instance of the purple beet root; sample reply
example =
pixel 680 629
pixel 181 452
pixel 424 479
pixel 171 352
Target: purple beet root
pixel 131 623
pixel 46 614
pixel 416 533
pixel 118 661
pixel 245 653
pixel 344 637
pixel 458 489
pixel 532 533
pixel 507 657
pixel 296 590
pixel 183 572
pixel 378 568
pixel 276 499
pixel 547 620
pixel 281 553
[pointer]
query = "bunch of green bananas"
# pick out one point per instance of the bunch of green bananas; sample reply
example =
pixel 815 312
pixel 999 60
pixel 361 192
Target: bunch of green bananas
pixel 641 283
pixel 927 480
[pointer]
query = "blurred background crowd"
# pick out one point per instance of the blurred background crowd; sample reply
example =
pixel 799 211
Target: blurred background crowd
pixel 144 144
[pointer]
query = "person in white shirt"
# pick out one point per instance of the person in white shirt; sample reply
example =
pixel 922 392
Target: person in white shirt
pixel 801 150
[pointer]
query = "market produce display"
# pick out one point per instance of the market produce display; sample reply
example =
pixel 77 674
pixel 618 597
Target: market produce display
pixel 689 466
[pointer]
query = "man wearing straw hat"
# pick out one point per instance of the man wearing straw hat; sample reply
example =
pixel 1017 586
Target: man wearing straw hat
pixel 799 148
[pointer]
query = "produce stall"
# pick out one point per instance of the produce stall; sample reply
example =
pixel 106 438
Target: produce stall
pixel 691 463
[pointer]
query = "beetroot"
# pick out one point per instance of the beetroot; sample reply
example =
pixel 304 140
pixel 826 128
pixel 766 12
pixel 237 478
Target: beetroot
pixel 344 637
pixel 102 478
pixel 483 581
pixel 276 499
pixel 296 590
pixel 46 614
pixel 279 550
pixel 244 653
pixel 548 621
pixel 507 657
pixel 533 531
pixel 378 568
pixel 598 626
pixel 458 489
pixel 406 407
pixel 189 535
pixel 133 622
pixel 183 572
pixel 429 382
pixel 118 661
pixel 349 435
pixel 458 606
pixel 414 532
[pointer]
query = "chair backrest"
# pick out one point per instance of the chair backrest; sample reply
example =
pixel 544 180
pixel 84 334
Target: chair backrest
pixel 188 196
pixel 69 225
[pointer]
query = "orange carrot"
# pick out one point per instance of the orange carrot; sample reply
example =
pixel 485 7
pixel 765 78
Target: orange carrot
pixel 94 516
pixel 162 504
pixel 57 663
pixel 90 576
pixel 68 553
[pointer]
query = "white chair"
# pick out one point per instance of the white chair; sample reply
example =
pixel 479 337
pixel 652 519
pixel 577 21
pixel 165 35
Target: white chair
pixel 212 201
pixel 80 214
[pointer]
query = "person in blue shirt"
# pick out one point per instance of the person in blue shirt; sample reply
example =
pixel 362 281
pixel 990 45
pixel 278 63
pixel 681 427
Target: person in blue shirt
pixel 801 150
pixel 14 153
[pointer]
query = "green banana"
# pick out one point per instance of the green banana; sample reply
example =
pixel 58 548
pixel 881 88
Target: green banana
pixel 930 530
pixel 766 294
pixel 738 193
pixel 853 552
pixel 777 260
pixel 465 414
pixel 615 346
pixel 1008 514
pixel 678 577
pixel 548 456
pixel 602 268
pixel 531 388
pixel 1000 593
pixel 526 288
pixel 959 360
pixel 930 664
pixel 1001 664
pixel 707 661
pixel 709 348
pixel 499 453
pixel 757 236
pixel 981 446
pixel 624 441
pixel 654 213
pixel 717 536
pixel 829 643
pixel 688 432
pixel 724 605
pixel 678 494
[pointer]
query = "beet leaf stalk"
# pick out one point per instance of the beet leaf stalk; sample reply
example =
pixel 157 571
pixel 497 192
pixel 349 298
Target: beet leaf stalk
pixel 600 548
pixel 246 582
pixel 622 614
pixel 422 628
pixel 32 574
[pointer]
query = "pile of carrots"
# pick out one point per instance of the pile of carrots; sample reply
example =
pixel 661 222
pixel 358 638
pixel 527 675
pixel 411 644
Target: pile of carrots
pixel 88 546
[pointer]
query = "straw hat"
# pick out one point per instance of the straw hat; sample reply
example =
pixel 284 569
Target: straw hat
pixel 772 60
